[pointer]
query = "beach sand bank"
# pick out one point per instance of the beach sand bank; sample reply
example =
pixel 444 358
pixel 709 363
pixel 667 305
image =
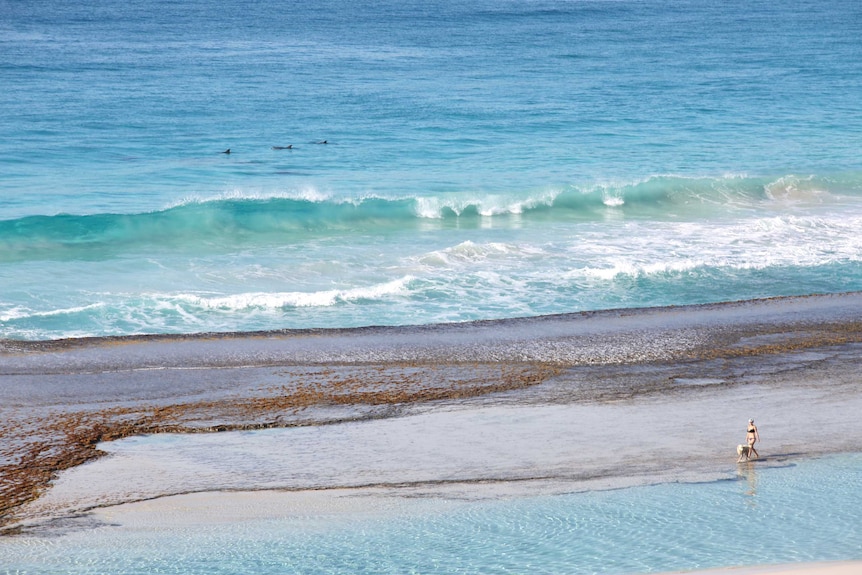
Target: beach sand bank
pixel 492 409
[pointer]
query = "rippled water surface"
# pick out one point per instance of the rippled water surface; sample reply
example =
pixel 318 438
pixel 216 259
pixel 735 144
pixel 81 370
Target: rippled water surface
pixel 484 159
pixel 807 511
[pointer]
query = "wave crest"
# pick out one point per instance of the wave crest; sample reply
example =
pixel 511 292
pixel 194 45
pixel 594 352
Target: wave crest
pixel 282 300
pixel 238 219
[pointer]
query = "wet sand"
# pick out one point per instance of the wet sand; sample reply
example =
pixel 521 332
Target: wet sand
pixel 486 409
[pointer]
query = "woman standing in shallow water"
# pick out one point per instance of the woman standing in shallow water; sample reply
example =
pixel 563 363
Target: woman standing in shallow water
pixel 752 438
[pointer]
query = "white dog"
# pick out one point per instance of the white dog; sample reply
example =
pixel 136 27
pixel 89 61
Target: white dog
pixel 744 453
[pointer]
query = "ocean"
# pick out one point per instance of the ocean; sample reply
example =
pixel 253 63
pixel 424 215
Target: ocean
pixel 214 166
pixel 482 160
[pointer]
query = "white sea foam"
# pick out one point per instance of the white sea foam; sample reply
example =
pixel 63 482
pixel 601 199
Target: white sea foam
pixel 760 243
pixel 547 268
pixel 307 193
pixel 795 189
pixel 520 278
pixel 278 300
pixel 435 207
pixel 613 201
pixel 635 269
pixel 13 313
pixel 20 312
pixel 471 253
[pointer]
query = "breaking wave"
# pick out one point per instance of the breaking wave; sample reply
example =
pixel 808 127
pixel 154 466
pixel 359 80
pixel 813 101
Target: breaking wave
pixel 237 220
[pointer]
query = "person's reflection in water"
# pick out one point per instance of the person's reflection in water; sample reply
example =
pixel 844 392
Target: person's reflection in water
pixel 748 472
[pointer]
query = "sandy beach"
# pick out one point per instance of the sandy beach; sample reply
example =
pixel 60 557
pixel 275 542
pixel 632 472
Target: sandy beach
pixel 338 420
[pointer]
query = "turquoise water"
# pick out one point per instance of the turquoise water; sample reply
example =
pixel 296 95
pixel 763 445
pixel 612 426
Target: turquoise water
pixel 807 511
pixel 484 159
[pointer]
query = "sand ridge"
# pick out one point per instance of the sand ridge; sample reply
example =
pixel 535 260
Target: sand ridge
pixel 61 399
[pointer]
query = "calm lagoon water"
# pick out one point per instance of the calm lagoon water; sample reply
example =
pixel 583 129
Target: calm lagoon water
pixel 806 511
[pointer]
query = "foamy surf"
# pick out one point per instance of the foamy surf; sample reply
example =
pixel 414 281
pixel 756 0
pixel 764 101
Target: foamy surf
pixel 272 274
pixel 282 300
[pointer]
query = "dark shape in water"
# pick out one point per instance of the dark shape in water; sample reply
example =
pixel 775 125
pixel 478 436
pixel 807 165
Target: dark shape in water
pixel 290 147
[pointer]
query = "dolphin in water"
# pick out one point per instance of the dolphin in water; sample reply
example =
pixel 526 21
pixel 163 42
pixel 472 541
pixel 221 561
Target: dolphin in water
pixel 226 151
pixel 290 147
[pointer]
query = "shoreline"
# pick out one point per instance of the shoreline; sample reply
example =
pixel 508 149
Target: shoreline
pixel 624 335
pixel 724 362
pixel 25 345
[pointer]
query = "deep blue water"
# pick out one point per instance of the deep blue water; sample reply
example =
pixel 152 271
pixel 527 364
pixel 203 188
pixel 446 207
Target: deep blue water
pixel 484 159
